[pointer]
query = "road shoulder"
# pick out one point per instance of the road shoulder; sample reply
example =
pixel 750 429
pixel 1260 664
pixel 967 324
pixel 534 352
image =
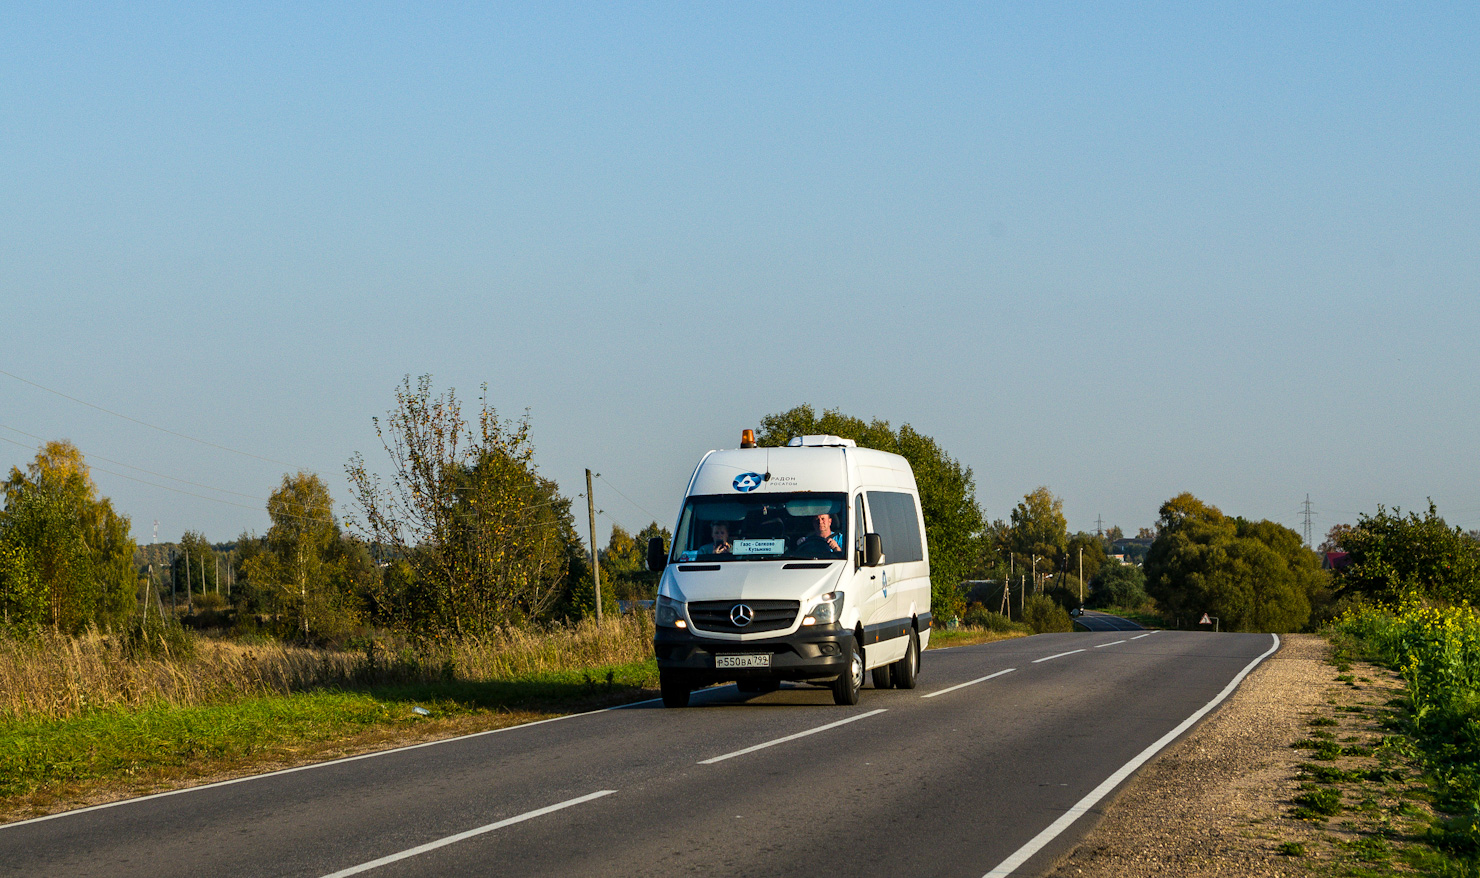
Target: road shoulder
pixel 1216 803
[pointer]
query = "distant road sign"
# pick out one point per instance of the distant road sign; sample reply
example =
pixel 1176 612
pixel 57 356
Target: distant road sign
pixel 1205 620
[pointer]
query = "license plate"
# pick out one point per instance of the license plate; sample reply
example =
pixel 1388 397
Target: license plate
pixel 742 661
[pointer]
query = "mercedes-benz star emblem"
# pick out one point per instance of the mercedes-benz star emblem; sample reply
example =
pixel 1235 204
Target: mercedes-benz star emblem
pixel 741 615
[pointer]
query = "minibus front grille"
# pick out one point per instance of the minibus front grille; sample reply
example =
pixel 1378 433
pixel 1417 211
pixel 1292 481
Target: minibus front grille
pixel 765 615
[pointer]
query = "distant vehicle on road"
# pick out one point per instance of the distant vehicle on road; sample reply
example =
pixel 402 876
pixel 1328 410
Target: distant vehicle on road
pixel 806 562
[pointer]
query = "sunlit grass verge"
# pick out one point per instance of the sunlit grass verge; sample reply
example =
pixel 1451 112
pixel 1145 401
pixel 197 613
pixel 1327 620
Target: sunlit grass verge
pixel 102 716
pixel 56 676
pixel 1437 651
pixel 123 751
pixel 967 635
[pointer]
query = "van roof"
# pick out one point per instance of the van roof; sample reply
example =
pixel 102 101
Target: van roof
pixel 819 440
pixel 800 465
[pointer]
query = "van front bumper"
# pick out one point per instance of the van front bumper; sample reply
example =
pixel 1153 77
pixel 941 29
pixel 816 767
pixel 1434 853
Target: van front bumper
pixel 814 652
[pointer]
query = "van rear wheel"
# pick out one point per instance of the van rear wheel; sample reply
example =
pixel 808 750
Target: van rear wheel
pixel 675 689
pixel 846 687
pixel 906 671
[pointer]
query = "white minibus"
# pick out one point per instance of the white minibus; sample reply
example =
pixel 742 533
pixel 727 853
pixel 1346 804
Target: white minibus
pixel 806 562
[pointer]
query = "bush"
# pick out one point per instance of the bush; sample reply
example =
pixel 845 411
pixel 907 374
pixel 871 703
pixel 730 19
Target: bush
pixel 978 616
pixel 1044 615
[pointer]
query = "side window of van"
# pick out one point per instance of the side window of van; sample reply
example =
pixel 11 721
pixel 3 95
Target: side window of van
pixel 860 526
pixel 897 525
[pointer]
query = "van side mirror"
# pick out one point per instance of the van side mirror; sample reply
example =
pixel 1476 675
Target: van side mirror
pixel 657 557
pixel 873 550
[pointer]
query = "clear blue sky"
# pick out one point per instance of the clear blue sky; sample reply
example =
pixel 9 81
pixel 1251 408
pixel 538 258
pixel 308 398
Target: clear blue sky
pixel 1122 251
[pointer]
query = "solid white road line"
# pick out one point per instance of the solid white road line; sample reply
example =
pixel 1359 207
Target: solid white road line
pixel 1139 636
pixel 1060 655
pixel 1083 806
pixel 841 722
pixel 968 683
pixel 1111 643
pixel 461 836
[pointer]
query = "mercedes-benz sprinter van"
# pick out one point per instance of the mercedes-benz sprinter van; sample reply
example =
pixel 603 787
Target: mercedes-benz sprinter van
pixel 804 562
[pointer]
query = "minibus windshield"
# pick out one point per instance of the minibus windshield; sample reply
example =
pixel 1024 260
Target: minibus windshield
pixel 762 528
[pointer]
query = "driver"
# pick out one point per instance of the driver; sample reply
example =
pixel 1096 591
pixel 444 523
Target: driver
pixel 719 536
pixel 823 538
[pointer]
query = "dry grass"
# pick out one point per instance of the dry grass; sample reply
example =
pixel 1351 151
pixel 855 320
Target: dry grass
pixel 57 676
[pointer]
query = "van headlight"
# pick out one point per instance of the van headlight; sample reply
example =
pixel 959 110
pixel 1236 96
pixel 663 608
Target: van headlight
pixel 829 609
pixel 670 613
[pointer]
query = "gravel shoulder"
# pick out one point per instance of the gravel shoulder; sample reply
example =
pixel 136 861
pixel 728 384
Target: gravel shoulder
pixel 1218 802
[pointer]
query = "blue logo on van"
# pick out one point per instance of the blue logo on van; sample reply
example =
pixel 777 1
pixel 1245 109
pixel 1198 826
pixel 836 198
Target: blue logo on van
pixel 748 481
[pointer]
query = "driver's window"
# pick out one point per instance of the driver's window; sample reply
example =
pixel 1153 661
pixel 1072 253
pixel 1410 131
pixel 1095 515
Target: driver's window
pixel 860 527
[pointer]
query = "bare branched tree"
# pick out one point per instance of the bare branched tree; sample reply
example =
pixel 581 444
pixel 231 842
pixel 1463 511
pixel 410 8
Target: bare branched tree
pixel 484 535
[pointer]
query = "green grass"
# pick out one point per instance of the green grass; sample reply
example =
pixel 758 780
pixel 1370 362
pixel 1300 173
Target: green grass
pixel 122 747
pixel 1318 803
pixel 941 638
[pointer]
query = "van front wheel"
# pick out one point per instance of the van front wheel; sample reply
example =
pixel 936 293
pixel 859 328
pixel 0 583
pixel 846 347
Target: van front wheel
pixel 845 688
pixel 907 670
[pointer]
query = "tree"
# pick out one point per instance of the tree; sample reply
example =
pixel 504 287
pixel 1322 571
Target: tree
pixel 298 570
pixel 953 521
pixel 1392 556
pixel 624 563
pixel 1118 585
pixel 1039 529
pixel 487 539
pixel 195 566
pixel 1255 576
pixel 1088 548
pixel 1332 542
pixel 65 543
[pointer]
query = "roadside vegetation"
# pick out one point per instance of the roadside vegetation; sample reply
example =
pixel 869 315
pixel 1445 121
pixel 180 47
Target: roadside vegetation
pixel 93 712
pixel 456 594
pixel 1436 651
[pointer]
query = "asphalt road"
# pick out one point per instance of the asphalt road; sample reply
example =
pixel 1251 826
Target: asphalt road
pixel 1094 620
pixel 967 775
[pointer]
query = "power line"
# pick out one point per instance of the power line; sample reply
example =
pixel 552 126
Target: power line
pixel 151 426
pixel 92 456
pixel 624 496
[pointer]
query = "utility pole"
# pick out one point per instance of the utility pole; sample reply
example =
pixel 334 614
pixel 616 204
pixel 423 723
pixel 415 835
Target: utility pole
pixel 1099 526
pixel 1308 514
pixel 595 562
pixel 1081 576
pixel 174 610
pixel 189 607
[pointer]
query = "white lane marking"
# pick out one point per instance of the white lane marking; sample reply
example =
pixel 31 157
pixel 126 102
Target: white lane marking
pixel 841 722
pixel 461 836
pixel 281 771
pixel 1060 655
pixel 1139 636
pixel 1083 806
pixel 968 683
pixel 1111 643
